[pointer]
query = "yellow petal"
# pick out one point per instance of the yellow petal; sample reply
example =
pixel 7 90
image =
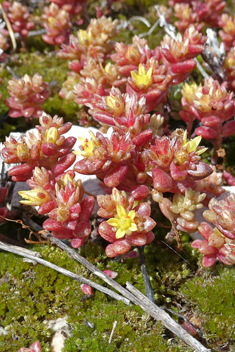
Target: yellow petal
pixel 133 227
pixel 134 76
pixel 149 73
pixel 121 212
pixel 185 137
pixel 141 69
pixel 113 222
pixel 120 233
pixel 131 214
pixel 199 152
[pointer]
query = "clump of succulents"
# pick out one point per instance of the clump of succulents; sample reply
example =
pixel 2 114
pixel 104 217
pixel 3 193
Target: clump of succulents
pixel 141 160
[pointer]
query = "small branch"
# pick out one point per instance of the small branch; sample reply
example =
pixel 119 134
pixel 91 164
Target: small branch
pixel 22 250
pixel 159 314
pixel 201 69
pixel 112 332
pixel 141 35
pixel 139 18
pixel 39 32
pixel 9 27
pixel 28 254
pixel 9 69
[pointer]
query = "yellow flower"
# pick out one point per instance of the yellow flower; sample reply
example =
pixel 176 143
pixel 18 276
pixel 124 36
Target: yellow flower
pixel 115 104
pixel 85 37
pixel 51 21
pixel 36 196
pixel 87 146
pixel 191 146
pixel 123 222
pixel 133 54
pixel 229 27
pixel 22 151
pixel 52 135
pixel 62 213
pixel 142 79
pixel 65 179
pixel 189 92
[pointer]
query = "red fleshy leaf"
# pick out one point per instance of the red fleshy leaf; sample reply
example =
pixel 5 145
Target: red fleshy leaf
pixel 228 128
pixel 162 182
pixel 83 229
pixel 47 207
pixel 111 273
pixel 63 164
pixel 208 261
pixel 49 149
pixel 105 231
pixel 87 206
pixel 21 170
pixel 206 132
pixel 77 242
pixel 117 248
pixel 86 289
pixel 116 175
pixel 140 192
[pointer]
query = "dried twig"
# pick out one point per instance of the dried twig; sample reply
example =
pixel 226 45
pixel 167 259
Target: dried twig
pixel 159 314
pixel 112 332
pixel 28 254
pixel 9 27
pixel 133 294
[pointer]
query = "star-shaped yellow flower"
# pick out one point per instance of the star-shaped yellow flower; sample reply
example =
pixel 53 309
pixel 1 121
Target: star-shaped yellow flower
pixel 87 146
pixel 85 37
pixel 142 79
pixel 123 222
pixel 192 145
pixel 36 196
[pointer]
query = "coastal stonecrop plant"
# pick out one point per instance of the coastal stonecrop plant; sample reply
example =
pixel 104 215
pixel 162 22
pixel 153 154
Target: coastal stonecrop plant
pixel 19 17
pixel 73 7
pixel 142 162
pixel 57 24
pixel 219 241
pixel 35 347
pixel 213 105
pixel 46 147
pixel 27 95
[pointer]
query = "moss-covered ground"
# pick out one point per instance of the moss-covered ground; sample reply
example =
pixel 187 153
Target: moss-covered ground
pixel 31 295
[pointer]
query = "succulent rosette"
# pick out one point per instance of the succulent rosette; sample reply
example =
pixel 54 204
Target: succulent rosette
pixel 19 16
pixel 94 42
pixel 57 24
pixel 129 222
pixel 45 148
pixel 27 95
pixel 176 163
pixel 35 347
pixel 214 246
pixel 177 54
pixel 61 198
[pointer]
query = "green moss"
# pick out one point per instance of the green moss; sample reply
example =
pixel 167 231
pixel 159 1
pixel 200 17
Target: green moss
pixel 212 298
pixel 32 295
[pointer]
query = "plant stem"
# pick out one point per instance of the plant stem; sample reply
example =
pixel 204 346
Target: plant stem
pixel 147 283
